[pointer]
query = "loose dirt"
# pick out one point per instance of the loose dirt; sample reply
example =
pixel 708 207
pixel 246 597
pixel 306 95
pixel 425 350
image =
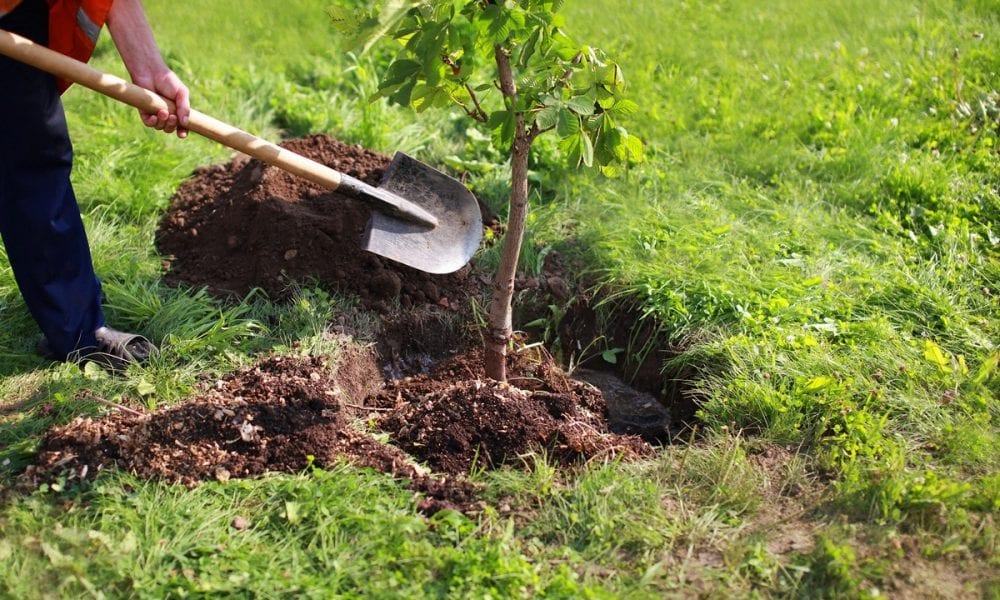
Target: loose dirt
pixel 245 225
pixel 452 420
pixel 282 415
pixel 289 413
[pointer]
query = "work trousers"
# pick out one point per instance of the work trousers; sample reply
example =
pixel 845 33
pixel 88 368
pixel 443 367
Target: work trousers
pixel 39 217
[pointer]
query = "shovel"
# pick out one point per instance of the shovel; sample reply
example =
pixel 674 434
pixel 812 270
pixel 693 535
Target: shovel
pixel 421 217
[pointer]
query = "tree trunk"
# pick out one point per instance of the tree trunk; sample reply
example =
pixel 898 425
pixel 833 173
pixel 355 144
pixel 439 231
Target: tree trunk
pixel 500 323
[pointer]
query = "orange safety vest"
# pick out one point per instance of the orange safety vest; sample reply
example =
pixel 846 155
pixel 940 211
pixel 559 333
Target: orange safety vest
pixel 73 26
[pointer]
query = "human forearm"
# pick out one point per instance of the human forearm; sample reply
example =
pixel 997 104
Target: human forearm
pixel 134 39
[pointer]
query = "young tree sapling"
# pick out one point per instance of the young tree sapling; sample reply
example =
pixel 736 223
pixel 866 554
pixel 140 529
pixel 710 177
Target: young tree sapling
pixel 512 69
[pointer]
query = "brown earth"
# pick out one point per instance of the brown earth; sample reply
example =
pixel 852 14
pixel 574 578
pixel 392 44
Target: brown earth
pixel 284 414
pixel 246 225
pixel 452 420
pixel 288 413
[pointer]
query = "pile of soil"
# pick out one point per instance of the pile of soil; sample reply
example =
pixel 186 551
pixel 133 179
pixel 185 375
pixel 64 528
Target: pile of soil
pixel 450 419
pixel 246 224
pixel 284 415
pixel 288 413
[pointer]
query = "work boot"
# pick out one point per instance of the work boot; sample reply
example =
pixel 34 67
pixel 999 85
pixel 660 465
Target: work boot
pixel 115 350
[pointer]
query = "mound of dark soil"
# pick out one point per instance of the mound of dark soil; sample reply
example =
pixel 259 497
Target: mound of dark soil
pixel 248 225
pixel 288 413
pixel 450 419
pixel 282 415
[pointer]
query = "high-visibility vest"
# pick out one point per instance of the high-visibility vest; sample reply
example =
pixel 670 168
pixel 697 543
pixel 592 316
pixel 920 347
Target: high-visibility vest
pixel 73 26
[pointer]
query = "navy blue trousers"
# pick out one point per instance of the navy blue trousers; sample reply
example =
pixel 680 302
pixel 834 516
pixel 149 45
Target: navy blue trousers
pixel 39 217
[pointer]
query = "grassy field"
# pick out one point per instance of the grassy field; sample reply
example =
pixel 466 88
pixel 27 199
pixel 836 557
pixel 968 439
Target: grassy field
pixel 815 236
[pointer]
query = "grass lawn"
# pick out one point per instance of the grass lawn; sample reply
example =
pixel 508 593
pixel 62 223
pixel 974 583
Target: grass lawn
pixel 814 240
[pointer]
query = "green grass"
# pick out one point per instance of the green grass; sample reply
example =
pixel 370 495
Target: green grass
pixel 815 234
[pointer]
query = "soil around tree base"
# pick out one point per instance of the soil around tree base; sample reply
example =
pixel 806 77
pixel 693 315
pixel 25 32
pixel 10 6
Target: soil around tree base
pixel 289 413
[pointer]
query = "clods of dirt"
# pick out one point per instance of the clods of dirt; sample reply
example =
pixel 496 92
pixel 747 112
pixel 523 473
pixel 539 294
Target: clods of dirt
pixel 452 421
pixel 246 225
pixel 282 415
pixel 288 413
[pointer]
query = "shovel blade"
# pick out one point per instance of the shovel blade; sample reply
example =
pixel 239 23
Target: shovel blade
pixel 442 249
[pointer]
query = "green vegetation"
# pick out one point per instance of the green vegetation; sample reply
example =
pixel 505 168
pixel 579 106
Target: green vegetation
pixel 814 235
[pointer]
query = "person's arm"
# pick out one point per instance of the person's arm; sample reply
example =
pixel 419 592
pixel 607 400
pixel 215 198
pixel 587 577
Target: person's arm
pixel 135 42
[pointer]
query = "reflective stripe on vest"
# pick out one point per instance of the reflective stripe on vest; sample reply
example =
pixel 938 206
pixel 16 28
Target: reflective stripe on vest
pixel 74 26
pixel 89 28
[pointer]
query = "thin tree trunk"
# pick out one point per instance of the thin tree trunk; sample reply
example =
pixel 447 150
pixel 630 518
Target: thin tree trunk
pixel 500 322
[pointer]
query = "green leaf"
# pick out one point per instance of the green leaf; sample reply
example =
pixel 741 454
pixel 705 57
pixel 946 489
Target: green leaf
pixel 498 22
pixel 572 147
pixel 547 117
pixel 634 148
pixel 508 127
pixel 372 29
pixel 527 49
pixel 936 356
pixel 611 146
pixel 588 150
pixel 404 95
pixel 611 171
pixel 129 543
pixel 497 119
pixel 399 71
pixel 345 20
pixel 426 96
pixel 582 105
pixel 817 383
pixel 292 512
pixel 568 123
pixel 144 388
pixel 623 108
pixel 987 368
pixel 93 372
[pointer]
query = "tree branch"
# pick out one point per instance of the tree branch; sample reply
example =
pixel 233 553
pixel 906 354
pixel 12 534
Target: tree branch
pixel 535 131
pixel 482 116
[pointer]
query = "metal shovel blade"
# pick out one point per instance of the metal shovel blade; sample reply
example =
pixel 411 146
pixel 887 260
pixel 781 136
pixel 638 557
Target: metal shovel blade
pixel 442 249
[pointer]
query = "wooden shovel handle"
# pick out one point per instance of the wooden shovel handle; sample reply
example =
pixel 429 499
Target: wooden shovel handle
pixel 24 50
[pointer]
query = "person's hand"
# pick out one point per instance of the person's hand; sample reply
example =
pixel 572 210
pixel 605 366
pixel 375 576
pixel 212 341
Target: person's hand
pixel 170 86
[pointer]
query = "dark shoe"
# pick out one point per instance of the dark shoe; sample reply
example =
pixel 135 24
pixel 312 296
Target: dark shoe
pixel 115 350
pixel 122 348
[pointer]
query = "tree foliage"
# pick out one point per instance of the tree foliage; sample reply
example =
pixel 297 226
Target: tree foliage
pixel 447 56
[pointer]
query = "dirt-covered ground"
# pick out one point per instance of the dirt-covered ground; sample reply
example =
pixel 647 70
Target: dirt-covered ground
pixel 288 413
pixel 246 225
